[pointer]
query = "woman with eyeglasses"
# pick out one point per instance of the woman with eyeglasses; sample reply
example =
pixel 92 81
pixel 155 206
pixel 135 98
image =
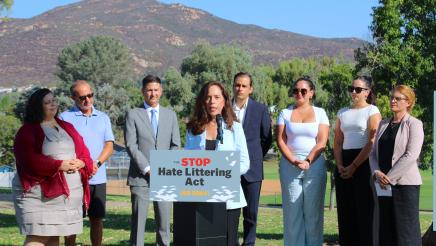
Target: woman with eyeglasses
pixel 302 133
pixel 394 165
pixel 354 137
pixel 53 167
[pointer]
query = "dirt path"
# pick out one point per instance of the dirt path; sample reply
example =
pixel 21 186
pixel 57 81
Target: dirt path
pixel 119 187
pixel 270 187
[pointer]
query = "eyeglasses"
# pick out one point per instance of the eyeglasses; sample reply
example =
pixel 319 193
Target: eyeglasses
pixel 397 99
pixel 83 98
pixel 303 91
pixel 358 90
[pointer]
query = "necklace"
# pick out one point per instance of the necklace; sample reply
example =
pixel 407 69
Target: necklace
pixel 393 124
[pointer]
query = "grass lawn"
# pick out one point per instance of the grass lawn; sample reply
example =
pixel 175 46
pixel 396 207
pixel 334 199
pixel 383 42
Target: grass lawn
pixel 271 172
pixel 117 227
pixel 270 226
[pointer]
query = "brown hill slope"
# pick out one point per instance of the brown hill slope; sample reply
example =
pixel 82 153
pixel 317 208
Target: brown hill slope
pixel 159 36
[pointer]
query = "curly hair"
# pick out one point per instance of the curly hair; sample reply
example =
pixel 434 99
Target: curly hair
pixel 201 117
pixel 34 112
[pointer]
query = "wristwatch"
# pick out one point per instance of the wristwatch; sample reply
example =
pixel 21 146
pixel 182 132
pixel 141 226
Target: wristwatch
pixel 308 160
pixel 99 163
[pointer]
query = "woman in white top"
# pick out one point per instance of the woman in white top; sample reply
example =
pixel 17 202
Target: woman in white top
pixel 354 136
pixel 302 133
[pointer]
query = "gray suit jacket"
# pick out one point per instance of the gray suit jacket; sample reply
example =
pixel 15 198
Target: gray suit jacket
pixel 408 143
pixel 139 139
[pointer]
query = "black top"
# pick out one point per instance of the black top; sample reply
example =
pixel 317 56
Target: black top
pixel 210 144
pixel 386 146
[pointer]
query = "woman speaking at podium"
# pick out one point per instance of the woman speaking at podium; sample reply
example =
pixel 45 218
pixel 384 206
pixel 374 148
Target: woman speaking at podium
pixel 213 126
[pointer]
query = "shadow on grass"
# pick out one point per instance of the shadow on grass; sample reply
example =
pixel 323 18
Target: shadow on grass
pixel 267 236
pixel 271 205
pixel 112 221
pixel 127 242
pixel 331 239
pixel 118 221
pixel 118 198
pixel 8 221
pixel 5 190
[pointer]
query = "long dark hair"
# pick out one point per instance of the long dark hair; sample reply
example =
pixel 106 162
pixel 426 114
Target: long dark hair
pixel 34 112
pixel 309 83
pixel 368 82
pixel 200 117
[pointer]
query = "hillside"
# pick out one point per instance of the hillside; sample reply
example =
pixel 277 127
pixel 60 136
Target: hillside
pixel 158 35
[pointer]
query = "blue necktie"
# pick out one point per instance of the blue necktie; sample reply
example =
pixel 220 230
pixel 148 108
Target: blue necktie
pixel 154 122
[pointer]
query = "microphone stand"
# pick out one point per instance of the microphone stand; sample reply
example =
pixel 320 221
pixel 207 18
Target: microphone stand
pixel 220 135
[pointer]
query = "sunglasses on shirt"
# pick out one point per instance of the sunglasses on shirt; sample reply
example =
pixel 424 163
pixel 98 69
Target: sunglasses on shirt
pixel 358 90
pixel 83 98
pixel 303 91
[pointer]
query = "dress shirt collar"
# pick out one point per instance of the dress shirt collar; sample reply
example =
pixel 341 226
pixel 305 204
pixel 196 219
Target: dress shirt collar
pixel 244 106
pixel 148 107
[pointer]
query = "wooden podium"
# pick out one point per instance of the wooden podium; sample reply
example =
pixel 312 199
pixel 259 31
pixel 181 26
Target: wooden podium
pixel 200 224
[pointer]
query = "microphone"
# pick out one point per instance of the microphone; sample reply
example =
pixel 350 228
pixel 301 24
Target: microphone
pixel 219 122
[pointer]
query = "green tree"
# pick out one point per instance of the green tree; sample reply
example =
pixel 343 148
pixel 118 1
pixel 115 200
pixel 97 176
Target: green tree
pixel 134 90
pixel 106 64
pixel 263 84
pixel 333 82
pixel 7 103
pixel 5 6
pixel 222 62
pixel 99 60
pixel 404 51
pixel 20 106
pixel 205 63
pixel 291 70
pixel 8 128
pixel 178 90
pixel 281 101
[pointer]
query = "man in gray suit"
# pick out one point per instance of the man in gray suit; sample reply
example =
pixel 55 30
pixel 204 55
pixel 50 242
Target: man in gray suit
pixel 147 128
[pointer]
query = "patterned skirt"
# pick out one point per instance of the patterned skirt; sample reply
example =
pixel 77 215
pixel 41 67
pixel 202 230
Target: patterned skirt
pixel 59 216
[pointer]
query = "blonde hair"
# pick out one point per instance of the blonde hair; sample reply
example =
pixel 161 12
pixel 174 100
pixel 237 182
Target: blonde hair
pixel 408 92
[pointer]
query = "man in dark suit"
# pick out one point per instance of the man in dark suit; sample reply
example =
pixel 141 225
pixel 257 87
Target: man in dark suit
pixel 256 122
pixel 147 128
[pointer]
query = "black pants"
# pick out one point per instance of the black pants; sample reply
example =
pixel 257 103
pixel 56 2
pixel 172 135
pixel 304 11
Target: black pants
pixel 355 203
pixel 232 226
pixel 399 217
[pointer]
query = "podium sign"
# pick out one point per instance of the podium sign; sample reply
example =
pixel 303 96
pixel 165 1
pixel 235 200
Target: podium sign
pixel 194 176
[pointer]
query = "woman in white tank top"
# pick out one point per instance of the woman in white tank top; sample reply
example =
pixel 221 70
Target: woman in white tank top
pixel 302 132
pixel 354 136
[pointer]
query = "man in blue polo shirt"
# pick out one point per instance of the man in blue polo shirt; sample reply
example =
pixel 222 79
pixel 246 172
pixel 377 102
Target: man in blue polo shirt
pixel 95 128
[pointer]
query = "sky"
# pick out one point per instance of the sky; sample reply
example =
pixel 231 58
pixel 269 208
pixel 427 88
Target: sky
pixel 319 18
